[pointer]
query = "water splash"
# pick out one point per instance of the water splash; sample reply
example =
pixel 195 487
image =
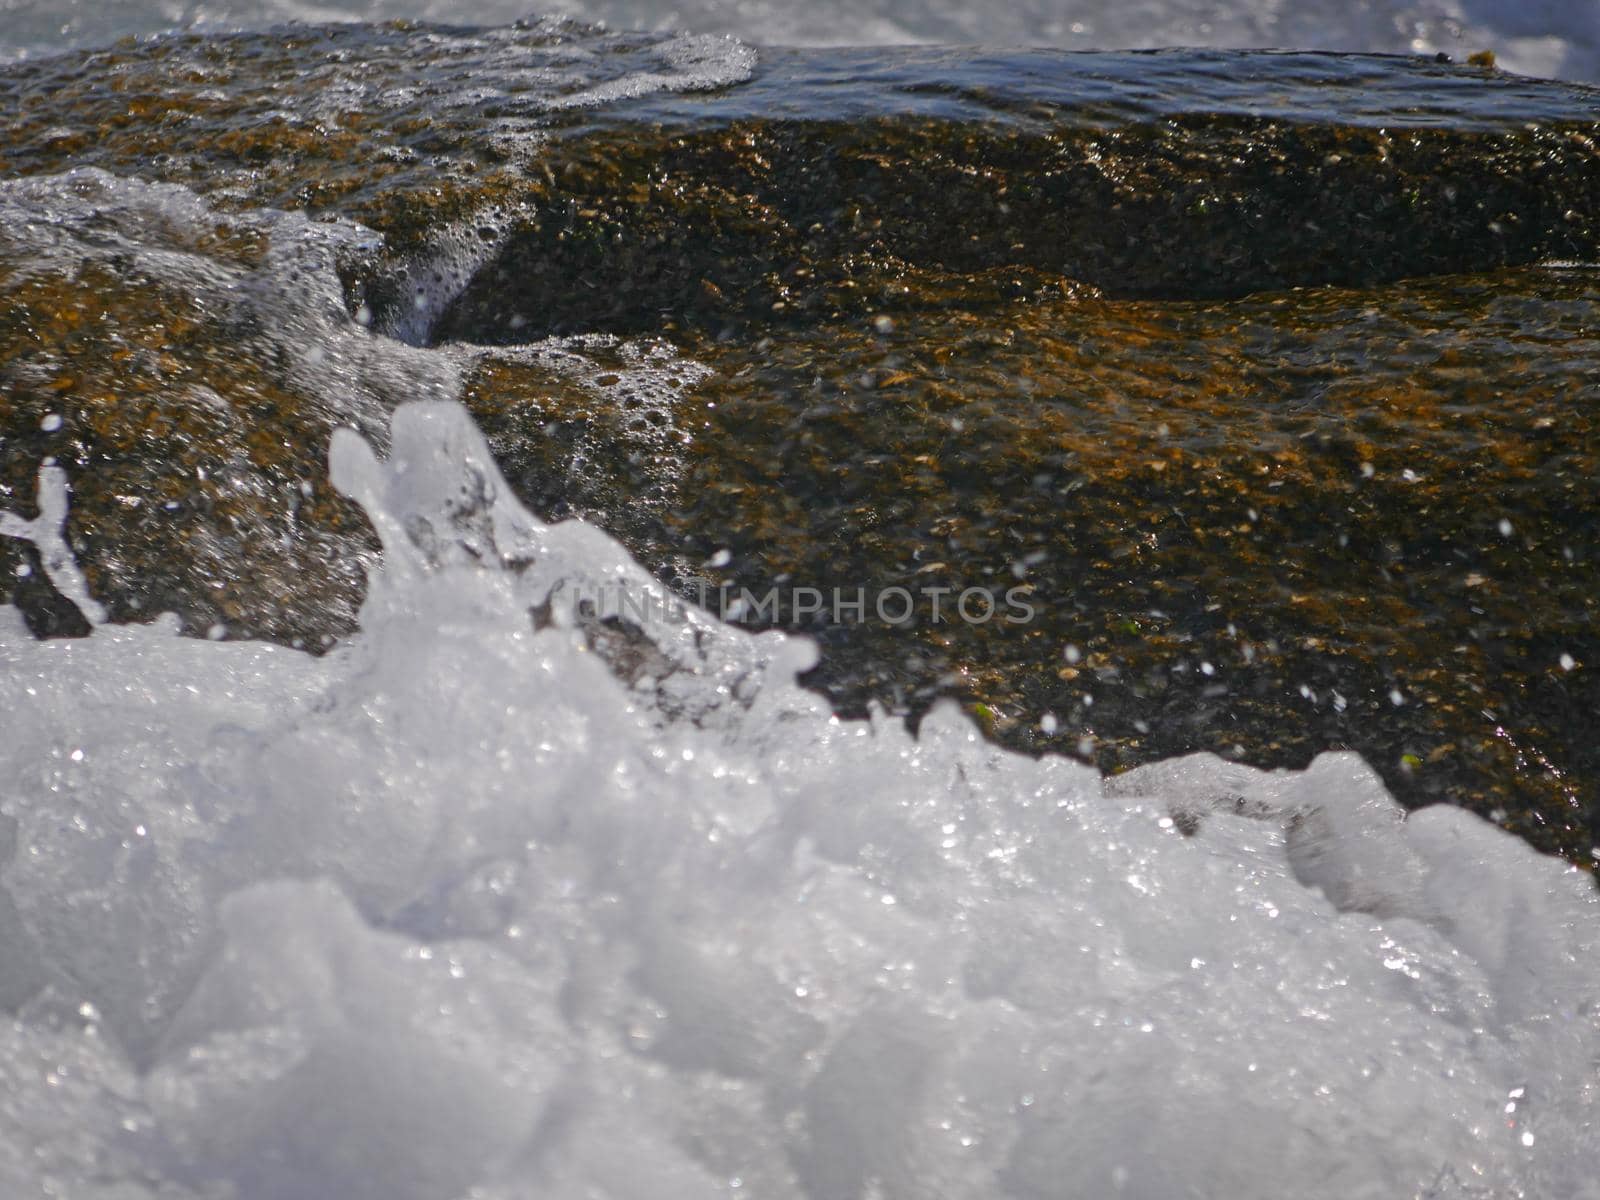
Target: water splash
pixel 47 532
pixel 471 904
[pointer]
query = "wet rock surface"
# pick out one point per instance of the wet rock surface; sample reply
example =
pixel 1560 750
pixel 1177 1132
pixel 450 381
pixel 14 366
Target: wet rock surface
pixel 790 222
pixel 196 484
pixel 1328 518
pixel 1235 364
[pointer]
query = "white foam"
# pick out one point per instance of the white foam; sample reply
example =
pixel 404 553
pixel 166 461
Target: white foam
pixel 432 277
pixel 288 299
pixel 641 382
pixel 455 910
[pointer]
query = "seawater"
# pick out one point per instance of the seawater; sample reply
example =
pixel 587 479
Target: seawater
pixel 1554 38
pixel 476 906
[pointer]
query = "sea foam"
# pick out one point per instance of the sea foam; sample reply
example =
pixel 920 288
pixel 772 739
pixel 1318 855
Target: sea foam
pixel 492 901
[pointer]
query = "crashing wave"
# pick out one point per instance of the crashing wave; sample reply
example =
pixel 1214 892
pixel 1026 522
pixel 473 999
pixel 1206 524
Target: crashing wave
pixel 494 901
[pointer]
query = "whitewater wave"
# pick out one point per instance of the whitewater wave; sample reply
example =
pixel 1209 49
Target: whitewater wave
pixel 499 900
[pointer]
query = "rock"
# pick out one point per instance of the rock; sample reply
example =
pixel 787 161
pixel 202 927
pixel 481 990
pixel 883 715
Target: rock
pixel 1241 366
